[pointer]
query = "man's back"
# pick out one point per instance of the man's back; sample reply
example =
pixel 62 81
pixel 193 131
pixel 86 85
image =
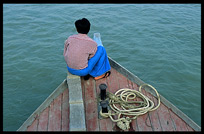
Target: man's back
pixel 78 49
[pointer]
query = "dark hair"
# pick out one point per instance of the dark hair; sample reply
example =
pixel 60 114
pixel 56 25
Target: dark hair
pixel 82 26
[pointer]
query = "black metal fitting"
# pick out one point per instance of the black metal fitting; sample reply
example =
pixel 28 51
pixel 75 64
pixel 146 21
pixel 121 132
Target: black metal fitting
pixel 104 105
pixel 103 87
pixel 103 102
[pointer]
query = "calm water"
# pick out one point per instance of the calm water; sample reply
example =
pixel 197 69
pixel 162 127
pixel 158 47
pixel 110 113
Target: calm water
pixel 161 44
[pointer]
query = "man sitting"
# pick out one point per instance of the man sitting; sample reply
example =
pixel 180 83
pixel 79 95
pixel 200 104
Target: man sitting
pixel 84 57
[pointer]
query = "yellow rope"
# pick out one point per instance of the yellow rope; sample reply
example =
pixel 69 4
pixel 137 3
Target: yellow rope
pixel 121 103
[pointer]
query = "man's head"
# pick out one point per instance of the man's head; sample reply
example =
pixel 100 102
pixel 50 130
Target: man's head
pixel 82 26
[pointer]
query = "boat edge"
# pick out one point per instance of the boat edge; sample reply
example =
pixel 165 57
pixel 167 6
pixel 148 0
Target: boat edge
pixel 45 104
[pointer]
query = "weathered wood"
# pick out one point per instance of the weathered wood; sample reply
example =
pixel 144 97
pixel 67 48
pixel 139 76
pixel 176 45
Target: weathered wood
pixel 130 84
pixel 179 113
pixel 65 111
pixel 43 120
pixel 165 118
pixel 106 124
pixel 34 125
pixel 156 126
pixel 179 124
pixel 135 86
pixel 55 115
pixel 189 128
pixel 91 106
pixel 90 91
pixel 122 80
pixel 113 86
pixel 112 81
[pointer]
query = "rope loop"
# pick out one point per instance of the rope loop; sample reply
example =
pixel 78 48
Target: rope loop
pixel 129 104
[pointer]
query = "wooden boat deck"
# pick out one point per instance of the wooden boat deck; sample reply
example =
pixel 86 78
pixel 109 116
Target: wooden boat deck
pixel 163 119
pixel 55 116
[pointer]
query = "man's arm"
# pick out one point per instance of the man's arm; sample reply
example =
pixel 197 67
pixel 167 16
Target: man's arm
pixel 65 46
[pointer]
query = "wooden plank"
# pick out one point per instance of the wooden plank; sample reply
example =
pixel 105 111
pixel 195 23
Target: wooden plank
pixel 165 119
pixel 130 84
pixel 179 124
pixel 189 128
pixel 65 110
pixel 91 117
pixel 106 124
pixel 112 81
pixel 154 115
pixel 90 92
pixel 178 112
pixel 143 121
pixel 55 115
pixel 122 81
pixel 113 86
pixel 135 86
pixel 175 110
pixel 133 125
pixel 34 125
pixel 43 120
pixel 91 105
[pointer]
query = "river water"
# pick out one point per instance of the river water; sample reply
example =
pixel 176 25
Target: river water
pixel 159 43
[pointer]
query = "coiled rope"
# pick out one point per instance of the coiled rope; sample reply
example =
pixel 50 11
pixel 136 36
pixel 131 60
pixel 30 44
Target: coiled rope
pixel 123 103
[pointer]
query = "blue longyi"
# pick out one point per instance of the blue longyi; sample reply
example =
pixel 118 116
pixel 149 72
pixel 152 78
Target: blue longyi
pixel 97 65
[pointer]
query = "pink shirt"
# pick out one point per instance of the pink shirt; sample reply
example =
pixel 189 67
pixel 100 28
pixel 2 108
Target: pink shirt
pixel 78 49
